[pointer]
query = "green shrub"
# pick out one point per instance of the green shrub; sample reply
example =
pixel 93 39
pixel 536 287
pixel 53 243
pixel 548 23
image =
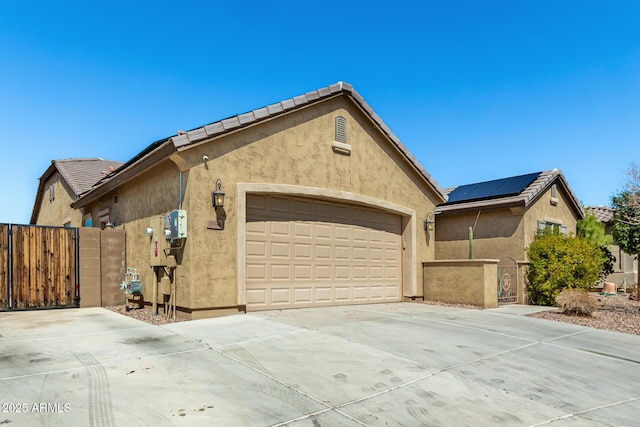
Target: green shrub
pixel 558 262
pixel 576 302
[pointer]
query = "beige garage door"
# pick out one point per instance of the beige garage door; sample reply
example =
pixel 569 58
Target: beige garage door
pixel 304 253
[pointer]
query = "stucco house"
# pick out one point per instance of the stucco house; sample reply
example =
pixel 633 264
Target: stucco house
pixel 504 215
pixel 61 184
pixel 626 266
pixel 310 201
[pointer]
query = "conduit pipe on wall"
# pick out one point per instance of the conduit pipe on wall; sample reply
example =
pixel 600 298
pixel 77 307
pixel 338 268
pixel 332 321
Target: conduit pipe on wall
pixel 180 204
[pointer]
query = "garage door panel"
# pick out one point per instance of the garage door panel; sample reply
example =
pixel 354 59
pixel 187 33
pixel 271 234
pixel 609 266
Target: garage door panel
pixel 302 272
pixel 323 272
pixel 392 273
pixel 279 250
pixel 323 231
pixel 256 249
pixel 280 272
pixel 257 272
pixel 323 252
pixel 343 272
pixel 280 296
pixel 360 293
pixel 360 272
pixel 342 232
pixel 342 253
pixel 323 295
pixel 302 230
pixel 303 295
pixel 257 297
pixel 376 292
pixel 343 293
pixel 279 229
pixel 303 252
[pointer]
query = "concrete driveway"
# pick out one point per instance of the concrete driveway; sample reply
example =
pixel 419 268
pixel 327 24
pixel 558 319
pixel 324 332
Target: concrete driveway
pixel 376 365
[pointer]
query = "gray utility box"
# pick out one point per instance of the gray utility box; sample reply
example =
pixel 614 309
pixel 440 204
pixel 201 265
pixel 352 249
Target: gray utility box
pixel 175 224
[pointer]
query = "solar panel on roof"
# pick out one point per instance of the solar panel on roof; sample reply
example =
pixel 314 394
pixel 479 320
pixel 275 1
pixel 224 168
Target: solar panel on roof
pixel 492 189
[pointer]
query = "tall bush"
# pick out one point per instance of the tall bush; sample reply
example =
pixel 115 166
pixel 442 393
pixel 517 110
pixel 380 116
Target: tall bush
pixel 558 262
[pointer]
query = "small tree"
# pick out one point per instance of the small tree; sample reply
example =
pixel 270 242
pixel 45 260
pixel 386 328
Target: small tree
pixel 626 218
pixel 593 231
pixel 558 262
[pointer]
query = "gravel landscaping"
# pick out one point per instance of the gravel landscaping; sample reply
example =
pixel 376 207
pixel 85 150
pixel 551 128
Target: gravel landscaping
pixel 144 314
pixel 615 313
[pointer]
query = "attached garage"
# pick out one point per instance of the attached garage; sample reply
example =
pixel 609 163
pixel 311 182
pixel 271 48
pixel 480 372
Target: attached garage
pixel 303 252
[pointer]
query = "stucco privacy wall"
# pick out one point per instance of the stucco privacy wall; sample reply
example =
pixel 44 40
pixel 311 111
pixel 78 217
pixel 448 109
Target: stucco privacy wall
pixel 102 267
pixel 462 282
pixel 290 154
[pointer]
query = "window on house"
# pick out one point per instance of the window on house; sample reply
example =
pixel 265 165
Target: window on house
pixel 52 193
pixel 87 221
pixel 552 226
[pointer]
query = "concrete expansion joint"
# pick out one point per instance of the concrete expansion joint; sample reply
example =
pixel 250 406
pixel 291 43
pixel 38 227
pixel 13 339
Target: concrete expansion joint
pixel 585 411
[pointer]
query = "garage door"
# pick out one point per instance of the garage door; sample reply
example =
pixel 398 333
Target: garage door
pixel 304 253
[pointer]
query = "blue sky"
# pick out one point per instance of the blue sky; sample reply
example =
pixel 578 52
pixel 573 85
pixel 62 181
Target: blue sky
pixel 477 90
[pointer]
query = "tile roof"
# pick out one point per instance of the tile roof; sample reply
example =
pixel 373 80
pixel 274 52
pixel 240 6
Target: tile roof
pixel 183 140
pixel 82 174
pixel 524 198
pixel 602 213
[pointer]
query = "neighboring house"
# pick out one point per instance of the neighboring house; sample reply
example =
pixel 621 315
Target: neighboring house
pixel 505 215
pixel 626 266
pixel 61 184
pixel 323 206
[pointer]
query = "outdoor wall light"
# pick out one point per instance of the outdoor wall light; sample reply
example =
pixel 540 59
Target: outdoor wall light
pixel 430 223
pixel 217 197
pixel 148 232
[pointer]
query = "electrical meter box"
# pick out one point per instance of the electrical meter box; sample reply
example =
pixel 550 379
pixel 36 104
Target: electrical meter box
pixel 175 224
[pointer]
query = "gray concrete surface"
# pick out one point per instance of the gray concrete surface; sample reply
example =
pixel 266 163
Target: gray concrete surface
pixel 377 365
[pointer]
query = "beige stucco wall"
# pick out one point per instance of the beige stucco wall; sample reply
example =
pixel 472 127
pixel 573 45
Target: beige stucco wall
pixel 462 282
pixel 498 233
pixel 58 212
pixel 543 209
pixel 292 150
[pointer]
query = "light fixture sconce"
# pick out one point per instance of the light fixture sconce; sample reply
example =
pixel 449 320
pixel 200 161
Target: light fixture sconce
pixel 148 232
pixel 429 223
pixel 217 197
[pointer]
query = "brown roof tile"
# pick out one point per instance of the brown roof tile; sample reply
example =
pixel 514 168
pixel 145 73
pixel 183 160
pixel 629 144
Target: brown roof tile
pixel 602 213
pixel 82 174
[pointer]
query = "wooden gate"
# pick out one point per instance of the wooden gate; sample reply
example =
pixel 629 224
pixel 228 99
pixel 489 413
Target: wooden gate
pixel 38 267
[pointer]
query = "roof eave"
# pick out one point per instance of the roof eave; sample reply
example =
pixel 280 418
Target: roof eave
pixel 128 173
pixel 492 204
